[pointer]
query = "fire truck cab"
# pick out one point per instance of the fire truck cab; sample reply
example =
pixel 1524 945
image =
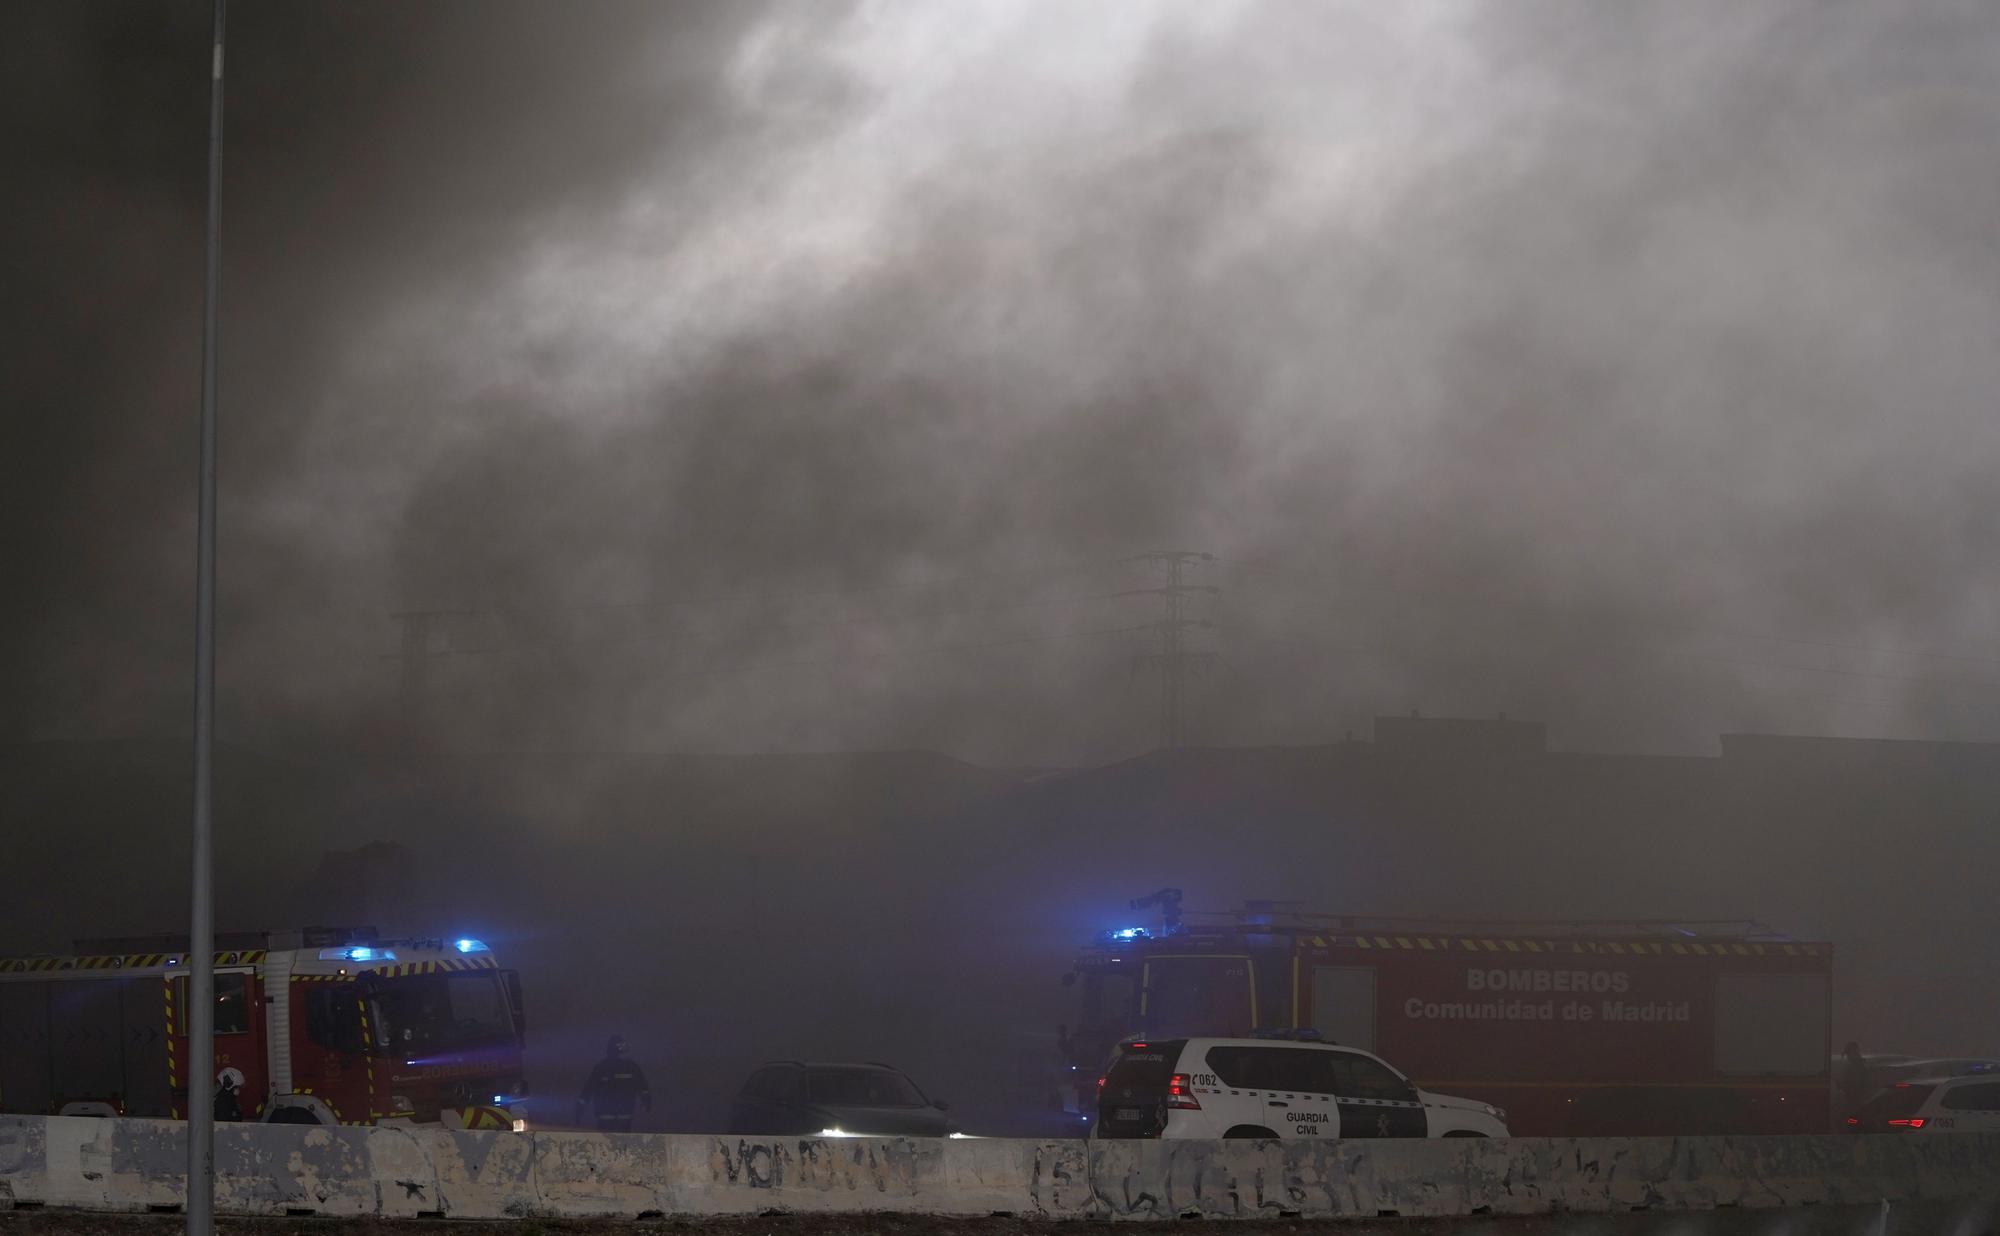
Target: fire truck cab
pixel 1576 1029
pixel 319 1026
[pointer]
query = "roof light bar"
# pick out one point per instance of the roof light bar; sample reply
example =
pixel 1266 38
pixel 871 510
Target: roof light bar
pixel 357 952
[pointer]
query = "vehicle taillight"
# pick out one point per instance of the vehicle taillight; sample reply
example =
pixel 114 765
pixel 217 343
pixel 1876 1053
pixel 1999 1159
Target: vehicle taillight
pixel 1850 1119
pixel 1100 1084
pixel 1181 1094
pixel 1915 1122
pixel 1136 1046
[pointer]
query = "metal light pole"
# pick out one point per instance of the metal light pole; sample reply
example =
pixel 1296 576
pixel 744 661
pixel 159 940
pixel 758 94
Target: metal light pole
pixel 200 1011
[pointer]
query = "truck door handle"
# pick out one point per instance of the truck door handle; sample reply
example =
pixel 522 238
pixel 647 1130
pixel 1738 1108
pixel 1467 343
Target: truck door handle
pixel 1275 1103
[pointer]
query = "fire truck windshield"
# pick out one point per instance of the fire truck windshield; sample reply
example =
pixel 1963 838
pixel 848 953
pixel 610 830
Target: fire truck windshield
pixel 1111 1000
pixel 1109 1012
pixel 438 1012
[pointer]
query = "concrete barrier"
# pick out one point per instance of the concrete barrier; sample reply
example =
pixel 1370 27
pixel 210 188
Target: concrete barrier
pixel 136 1165
pixel 483 1175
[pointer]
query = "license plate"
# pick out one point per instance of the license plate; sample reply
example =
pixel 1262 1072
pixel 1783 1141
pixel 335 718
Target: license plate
pixel 1126 1113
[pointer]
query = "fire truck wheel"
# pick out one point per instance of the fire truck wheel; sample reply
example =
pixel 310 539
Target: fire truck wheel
pixel 298 1109
pixel 1250 1132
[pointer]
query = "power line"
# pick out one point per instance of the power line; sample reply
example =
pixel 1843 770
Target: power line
pixel 766 598
pixel 737 667
pixel 1440 655
pixel 932 614
pixel 1613 643
pixel 417 648
pixel 1686 628
pixel 417 630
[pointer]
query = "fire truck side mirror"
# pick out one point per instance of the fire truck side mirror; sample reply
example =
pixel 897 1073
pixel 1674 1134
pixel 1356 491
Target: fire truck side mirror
pixel 512 978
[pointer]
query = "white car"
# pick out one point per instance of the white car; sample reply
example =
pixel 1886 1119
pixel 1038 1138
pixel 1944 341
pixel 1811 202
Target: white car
pixel 1274 1088
pixel 1933 1105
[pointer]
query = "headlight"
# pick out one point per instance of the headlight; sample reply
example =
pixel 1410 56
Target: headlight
pixel 520 1126
pixel 837 1133
pixel 1498 1113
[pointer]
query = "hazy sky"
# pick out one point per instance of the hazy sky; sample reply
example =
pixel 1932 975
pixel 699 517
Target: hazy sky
pixel 1630 366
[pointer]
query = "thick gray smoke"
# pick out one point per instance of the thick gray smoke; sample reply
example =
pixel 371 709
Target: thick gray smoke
pixel 736 378
pixel 1627 367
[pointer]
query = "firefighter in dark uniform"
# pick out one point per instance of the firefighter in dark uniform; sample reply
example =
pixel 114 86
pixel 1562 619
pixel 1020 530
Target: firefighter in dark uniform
pixel 1857 1084
pixel 228 1084
pixel 614 1085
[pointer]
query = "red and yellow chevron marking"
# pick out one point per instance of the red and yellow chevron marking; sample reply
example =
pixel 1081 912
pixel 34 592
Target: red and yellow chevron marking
pixel 368 1057
pixel 173 1068
pixel 1617 948
pixel 119 961
pixel 487 1117
pixel 405 968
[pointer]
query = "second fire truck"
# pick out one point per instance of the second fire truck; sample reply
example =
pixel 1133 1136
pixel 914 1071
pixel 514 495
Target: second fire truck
pixel 1576 1029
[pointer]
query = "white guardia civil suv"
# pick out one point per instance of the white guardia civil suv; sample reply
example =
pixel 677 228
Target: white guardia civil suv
pixel 1933 1105
pixel 1274 1088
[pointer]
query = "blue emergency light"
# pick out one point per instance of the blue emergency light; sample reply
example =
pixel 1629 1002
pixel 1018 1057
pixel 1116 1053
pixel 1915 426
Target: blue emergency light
pixel 357 952
pixel 1130 933
pixel 470 946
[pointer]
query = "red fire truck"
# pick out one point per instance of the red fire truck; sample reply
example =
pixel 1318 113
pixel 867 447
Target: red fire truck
pixel 320 1026
pixel 1576 1028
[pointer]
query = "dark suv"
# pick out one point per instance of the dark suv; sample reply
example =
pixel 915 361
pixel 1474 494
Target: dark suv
pixel 794 1099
